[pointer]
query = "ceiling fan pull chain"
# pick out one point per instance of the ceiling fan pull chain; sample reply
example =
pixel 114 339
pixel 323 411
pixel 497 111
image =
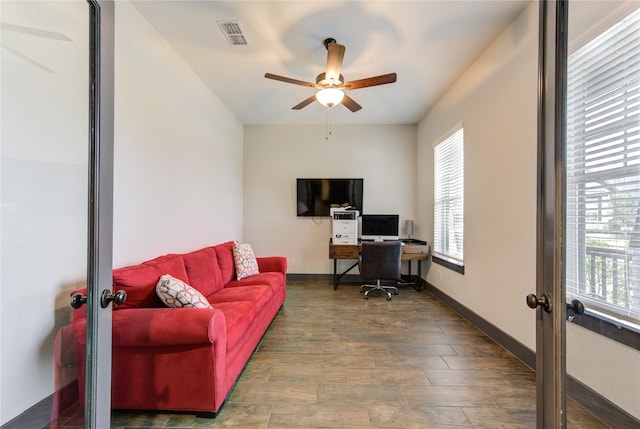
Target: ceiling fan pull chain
pixel 328 130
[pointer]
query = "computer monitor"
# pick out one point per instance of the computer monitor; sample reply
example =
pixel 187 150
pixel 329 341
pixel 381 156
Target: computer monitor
pixel 380 227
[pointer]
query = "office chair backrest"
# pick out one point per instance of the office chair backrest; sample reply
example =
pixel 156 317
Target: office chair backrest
pixel 380 260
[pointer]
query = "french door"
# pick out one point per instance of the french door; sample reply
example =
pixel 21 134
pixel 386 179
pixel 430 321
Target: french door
pixel 100 232
pixel 56 194
pixel 549 299
pixel 572 31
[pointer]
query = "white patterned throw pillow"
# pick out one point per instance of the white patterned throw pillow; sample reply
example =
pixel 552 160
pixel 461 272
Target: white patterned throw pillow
pixel 176 293
pixel 245 260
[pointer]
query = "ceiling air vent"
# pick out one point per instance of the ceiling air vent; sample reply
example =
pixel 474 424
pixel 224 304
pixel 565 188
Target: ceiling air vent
pixel 233 32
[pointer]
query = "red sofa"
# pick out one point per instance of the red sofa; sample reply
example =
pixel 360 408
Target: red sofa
pixel 186 359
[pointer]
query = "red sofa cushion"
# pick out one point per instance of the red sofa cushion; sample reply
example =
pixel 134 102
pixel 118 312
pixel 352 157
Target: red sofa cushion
pixel 227 266
pixel 251 300
pixel 258 295
pixel 203 270
pixel 273 280
pixel 139 281
pixel 238 317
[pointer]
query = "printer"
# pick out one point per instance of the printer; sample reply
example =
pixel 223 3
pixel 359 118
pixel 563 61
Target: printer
pixel 344 226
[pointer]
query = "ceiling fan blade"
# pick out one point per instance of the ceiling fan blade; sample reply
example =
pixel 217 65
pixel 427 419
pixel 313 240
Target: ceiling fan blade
pixel 304 103
pixel 371 81
pixel 32 31
pixel 289 80
pixel 335 56
pixel 350 103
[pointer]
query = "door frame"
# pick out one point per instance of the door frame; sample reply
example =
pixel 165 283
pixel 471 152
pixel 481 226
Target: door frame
pixel 551 322
pixel 97 412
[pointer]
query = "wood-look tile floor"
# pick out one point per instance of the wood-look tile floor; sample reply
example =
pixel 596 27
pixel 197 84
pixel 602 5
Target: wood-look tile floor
pixel 332 359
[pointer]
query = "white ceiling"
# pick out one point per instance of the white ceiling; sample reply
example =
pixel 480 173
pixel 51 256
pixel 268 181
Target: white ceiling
pixel 428 44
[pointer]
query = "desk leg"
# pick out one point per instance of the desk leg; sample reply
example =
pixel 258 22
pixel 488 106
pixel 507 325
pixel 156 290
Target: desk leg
pixel 419 279
pixel 408 279
pixel 336 276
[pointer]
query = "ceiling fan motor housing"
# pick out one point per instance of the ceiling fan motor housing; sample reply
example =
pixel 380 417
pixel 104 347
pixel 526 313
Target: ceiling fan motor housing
pixel 323 81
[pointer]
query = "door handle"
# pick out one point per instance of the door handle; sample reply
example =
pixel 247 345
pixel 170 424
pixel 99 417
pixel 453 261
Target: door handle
pixel 545 302
pixel 78 300
pixel 106 297
pixel 574 308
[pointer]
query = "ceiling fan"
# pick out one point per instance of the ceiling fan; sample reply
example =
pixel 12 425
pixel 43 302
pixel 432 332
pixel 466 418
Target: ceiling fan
pixel 331 84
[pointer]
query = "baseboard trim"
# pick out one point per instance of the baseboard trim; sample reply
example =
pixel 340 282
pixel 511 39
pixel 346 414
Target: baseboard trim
pixel 38 416
pixel 344 280
pixel 44 413
pixel 519 350
pixel 314 277
pixel 591 400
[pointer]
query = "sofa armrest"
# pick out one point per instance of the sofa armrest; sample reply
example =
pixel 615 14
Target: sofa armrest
pixel 152 327
pixel 276 264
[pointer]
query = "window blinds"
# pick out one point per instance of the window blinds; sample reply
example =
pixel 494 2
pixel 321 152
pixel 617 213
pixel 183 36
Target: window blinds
pixel 603 171
pixel 449 198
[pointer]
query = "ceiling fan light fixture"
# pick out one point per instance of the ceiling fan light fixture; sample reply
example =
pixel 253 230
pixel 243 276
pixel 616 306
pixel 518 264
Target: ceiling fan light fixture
pixel 329 97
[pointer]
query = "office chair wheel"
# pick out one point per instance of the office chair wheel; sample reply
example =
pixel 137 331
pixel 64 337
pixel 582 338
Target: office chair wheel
pixel 395 292
pixel 388 298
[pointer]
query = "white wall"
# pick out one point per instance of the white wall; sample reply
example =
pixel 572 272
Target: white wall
pixel 274 156
pixel 178 151
pixel 495 100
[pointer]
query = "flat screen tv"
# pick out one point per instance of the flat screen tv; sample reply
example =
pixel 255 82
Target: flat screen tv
pixel 380 227
pixel 316 196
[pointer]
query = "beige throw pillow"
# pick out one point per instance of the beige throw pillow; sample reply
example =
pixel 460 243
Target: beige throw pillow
pixel 245 260
pixel 176 293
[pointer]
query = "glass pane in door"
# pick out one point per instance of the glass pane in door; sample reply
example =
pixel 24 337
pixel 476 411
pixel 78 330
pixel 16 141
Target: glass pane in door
pixel 603 208
pixel 43 191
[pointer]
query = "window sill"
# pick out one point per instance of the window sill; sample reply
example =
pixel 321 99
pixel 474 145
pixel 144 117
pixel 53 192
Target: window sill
pixel 455 266
pixel 617 332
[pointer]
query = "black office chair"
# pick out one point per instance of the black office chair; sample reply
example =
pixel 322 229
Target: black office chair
pixel 380 260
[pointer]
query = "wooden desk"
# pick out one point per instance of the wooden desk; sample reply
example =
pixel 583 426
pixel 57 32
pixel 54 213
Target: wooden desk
pixel 415 250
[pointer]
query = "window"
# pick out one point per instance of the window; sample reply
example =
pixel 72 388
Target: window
pixel 448 216
pixel 603 172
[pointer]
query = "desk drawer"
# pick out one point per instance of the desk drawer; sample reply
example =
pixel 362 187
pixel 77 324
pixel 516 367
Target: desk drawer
pixel 343 251
pixel 418 251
